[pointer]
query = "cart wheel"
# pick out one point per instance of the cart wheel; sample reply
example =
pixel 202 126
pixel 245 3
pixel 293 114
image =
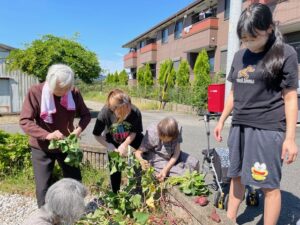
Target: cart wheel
pixel 252 198
pixel 217 198
pixel 226 199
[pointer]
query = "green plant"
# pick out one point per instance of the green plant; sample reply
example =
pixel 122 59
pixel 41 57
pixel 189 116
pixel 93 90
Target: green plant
pixel 116 78
pixel 167 76
pixel 109 79
pixel 183 74
pixel 70 146
pixel 123 78
pixel 140 76
pixel 42 53
pixel 129 205
pixel 144 76
pixel 219 78
pixel 192 183
pixel 201 80
pixel 148 77
pixel 14 153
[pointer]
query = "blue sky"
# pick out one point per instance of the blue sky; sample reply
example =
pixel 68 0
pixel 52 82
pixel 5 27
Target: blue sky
pixel 104 25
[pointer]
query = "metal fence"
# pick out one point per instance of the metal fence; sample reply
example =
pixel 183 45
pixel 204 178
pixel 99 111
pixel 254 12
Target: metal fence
pixel 94 156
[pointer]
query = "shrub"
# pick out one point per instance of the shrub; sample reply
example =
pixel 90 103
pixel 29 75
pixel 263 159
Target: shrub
pixel 14 154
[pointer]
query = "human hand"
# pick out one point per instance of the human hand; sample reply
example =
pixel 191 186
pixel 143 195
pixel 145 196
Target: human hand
pixel 217 131
pixel 123 150
pixel 56 135
pixel 110 147
pixel 144 164
pixel 77 131
pixel 289 151
pixel 161 175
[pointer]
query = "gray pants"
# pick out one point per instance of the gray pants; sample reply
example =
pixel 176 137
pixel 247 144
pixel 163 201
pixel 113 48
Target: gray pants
pixel 255 156
pixel 43 164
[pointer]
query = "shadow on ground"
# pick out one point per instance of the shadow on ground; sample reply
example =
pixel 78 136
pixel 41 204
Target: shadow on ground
pixel 290 211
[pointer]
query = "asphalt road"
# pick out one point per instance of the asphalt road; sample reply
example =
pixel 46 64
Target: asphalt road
pixel 194 140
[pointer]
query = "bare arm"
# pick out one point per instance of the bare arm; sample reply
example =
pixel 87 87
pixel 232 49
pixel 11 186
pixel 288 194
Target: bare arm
pixel 173 159
pixel 289 147
pixel 102 140
pixel 226 112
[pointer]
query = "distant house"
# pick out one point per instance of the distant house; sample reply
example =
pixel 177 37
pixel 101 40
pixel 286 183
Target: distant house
pixel 13 85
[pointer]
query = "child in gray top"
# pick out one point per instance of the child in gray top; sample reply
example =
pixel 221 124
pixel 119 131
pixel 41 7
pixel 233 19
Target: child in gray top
pixel 160 148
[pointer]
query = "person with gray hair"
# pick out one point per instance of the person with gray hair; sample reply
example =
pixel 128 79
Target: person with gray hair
pixel 48 114
pixel 64 204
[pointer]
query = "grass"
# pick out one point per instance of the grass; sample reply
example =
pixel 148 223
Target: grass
pixel 95 96
pixel 22 182
pixel 18 183
pixel 101 97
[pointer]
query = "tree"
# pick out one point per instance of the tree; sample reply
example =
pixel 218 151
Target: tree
pixel 183 74
pixel 167 76
pixel 116 78
pixel 148 77
pixel 42 53
pixel 123 78
pixel 109 79
pixel 140 76
pixel 144 76
pixel 201 80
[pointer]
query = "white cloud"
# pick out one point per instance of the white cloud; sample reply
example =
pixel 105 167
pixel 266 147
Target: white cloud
pixel 112 65
pixel 119 54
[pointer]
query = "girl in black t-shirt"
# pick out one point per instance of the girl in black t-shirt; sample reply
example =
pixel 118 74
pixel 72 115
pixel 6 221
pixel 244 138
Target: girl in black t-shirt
pixel 263 99
pixel 122 125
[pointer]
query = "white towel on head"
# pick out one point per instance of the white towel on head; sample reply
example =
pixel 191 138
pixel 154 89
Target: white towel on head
pixel 48 105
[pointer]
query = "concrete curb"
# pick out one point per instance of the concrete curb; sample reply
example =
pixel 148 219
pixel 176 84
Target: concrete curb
pixel 192 213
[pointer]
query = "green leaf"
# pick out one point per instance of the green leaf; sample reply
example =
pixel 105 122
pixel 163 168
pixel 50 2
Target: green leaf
pixel 113 170
pixel 141 217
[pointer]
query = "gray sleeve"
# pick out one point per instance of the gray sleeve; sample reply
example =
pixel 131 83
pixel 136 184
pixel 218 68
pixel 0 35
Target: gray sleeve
pixel 179 139
pixel 290 72
pixel 150 139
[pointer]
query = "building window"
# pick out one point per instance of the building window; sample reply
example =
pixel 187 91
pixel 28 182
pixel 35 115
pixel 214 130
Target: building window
pixel 178 29
pixel 293 40
pixel 165 34
pixel 223 62
pixel 227 9
pixel 142 43
pixel 211 59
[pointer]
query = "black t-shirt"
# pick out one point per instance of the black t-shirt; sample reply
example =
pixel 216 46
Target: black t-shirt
pixel 257 102
pixel 117 132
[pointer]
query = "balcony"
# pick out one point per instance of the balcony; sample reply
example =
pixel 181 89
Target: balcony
pixel 148 53
pixel 203 25
pixel 130 60
pixel 201 34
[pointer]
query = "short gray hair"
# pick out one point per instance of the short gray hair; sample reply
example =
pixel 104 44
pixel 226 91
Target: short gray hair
pixel 60 74
pixel 65 200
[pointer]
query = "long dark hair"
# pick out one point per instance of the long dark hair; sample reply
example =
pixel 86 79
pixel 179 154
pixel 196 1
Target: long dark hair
pixel 259 17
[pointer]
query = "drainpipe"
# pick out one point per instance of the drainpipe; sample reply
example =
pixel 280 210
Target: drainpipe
pixel 233 41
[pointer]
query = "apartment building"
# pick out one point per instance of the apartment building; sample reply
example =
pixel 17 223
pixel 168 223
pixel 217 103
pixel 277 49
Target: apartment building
pixel 202 24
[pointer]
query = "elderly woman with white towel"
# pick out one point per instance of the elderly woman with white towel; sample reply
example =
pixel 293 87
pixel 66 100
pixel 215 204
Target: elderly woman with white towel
pixel 48 113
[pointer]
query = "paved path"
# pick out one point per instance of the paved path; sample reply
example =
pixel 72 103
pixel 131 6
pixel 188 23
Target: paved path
pixel 194 140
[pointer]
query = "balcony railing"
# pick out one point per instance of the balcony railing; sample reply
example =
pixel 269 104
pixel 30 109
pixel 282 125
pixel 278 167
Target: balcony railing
pixel 149 47
pixel 130 60
pixel 130 55
pixel 206 24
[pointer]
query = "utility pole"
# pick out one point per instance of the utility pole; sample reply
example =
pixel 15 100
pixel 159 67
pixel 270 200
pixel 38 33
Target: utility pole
pixel 233 40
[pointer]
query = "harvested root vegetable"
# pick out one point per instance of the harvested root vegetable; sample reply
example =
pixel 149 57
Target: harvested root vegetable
pixel 201 200
pixel 215 216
